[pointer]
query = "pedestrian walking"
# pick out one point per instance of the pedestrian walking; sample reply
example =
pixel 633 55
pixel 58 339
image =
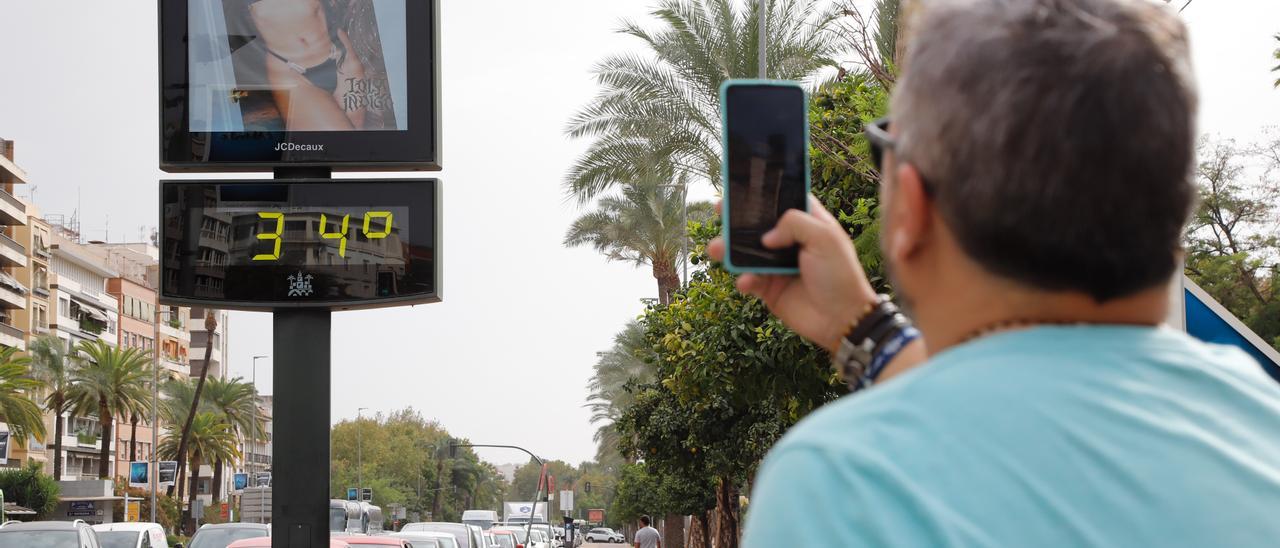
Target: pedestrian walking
pixel 647 536
pixel 1019 390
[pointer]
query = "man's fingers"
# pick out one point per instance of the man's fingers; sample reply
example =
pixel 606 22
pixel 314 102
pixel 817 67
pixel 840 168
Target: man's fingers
pixel 795 227
pixel 818 210
pixel 715 249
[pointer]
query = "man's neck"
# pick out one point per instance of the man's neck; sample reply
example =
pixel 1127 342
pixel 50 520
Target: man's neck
pixel 998 305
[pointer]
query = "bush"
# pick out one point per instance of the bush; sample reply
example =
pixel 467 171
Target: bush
pixel 30 487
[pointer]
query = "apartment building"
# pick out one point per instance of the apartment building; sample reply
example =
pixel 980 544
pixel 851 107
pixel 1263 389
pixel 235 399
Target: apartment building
pixel 13 215
pixel 83 311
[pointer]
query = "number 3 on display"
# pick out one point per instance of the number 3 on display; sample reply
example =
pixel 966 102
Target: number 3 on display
pixel 341 235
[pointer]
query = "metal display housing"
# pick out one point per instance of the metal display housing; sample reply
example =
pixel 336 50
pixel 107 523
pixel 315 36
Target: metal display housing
pixel 173 51
pixel 437 222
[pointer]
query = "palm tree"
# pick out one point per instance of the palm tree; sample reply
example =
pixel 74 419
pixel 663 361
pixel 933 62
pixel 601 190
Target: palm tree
pixel 234 401
pixel 624 363
pixel 644 225
pixel 208 439
pixel 54 366
pixel 16 408
pixel 112 382
pixel 667 104
pixel 210 325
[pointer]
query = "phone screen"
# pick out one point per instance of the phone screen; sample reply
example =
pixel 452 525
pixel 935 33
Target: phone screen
pixel 767 159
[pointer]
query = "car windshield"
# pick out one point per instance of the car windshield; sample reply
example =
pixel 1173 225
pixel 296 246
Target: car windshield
pixel 506 540
pixel 220 538
pixel 39 539
pixel 118 539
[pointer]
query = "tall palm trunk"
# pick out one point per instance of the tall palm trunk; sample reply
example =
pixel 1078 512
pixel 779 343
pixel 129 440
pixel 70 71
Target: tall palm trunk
pixel 673 531
pixel 195 482
pixel 59 426
pixel 668 280
pixel 104 453
pixel 217 480
pixel 133 437
pixel 726 515
pixel 210 324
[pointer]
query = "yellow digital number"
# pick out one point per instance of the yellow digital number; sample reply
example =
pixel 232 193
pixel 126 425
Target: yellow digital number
pixel 341 235
pixel 386 230
pixel 275 253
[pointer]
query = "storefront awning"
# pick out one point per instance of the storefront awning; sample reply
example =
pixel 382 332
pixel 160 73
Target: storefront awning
pixel 12 283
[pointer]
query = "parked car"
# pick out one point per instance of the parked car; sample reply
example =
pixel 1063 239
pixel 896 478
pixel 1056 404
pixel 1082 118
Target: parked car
pixel 48 534
pixel 265 542
pixel 465 535
pixel 604 534
pixel 219 535
pixel 521 534
pixel 506 539
pixel 379 541
pixel 131 535
pixel 427 539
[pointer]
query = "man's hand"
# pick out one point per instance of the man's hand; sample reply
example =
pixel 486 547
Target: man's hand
pixel 831 291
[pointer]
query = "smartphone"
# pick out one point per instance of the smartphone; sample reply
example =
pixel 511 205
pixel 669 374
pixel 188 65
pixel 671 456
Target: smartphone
pixel 765 169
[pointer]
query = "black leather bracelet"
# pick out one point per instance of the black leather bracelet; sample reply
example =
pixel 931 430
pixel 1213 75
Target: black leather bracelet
pixel 883 310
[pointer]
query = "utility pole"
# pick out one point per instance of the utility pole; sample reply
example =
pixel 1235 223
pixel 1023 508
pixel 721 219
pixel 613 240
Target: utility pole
pixel 251 470
pixel 359 457
pixel 764 40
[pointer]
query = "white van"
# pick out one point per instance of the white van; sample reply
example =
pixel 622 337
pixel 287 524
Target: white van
pixel 484 519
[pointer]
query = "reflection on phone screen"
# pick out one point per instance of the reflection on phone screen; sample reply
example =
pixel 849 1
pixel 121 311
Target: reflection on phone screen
pixel 766 167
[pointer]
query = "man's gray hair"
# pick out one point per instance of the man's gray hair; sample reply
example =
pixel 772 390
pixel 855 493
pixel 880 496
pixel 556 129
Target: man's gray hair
pixel 1058 136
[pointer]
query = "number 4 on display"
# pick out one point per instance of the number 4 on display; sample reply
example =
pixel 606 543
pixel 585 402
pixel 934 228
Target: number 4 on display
pixel 341 235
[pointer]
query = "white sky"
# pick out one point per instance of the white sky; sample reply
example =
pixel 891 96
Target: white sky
pixel 523 317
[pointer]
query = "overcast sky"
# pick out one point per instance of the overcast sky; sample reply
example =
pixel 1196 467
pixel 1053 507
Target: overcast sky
pixel 523 317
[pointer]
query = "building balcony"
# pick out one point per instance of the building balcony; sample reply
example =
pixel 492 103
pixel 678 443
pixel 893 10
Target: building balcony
pixel 10 172
pixel 12 253
pixel 12 211
pixel 12 337
pixel 11 299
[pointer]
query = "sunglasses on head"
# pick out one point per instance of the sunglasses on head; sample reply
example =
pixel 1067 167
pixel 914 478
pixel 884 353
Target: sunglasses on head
pixel 877 133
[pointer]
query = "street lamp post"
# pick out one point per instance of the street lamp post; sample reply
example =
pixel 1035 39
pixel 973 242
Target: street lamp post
pixel 251 470
pixel 453 446
pixel 359 457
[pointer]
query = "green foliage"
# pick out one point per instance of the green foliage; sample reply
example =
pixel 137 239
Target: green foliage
pixel 406 461
pixel 16 385
pixel 113 382
pixel 1233 250
pixel 29 486
pixel 1276 56
pixel 666 105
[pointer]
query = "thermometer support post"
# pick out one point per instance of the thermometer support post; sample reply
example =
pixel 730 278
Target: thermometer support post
pixel 300 414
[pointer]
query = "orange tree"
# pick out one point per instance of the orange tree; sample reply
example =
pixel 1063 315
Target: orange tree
pixel 731 378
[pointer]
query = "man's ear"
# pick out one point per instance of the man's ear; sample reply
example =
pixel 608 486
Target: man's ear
pixel 909 217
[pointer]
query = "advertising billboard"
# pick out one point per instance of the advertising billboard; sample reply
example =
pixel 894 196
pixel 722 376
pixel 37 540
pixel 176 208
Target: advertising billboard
pixel 595 515
pixel 139 474
pixel 257 84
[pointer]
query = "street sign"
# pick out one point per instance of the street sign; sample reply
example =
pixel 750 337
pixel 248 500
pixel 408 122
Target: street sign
pixel 4 447
pixel 223 110
pixel 262 479
pixel 133 511
pixel 366 494
pixel 566 501
pixel 305 243
pixel 353 493
pixel 167 473
pixel 595 515
pixel 240 482
pixel 139 474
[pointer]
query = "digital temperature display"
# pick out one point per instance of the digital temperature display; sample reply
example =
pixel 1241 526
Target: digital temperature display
pixel 319 243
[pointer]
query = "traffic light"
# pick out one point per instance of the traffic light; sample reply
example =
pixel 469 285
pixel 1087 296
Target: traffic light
pixel 587 488
pixel 453 448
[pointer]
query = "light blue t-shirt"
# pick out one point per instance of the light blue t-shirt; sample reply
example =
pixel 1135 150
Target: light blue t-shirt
pixel 1053 436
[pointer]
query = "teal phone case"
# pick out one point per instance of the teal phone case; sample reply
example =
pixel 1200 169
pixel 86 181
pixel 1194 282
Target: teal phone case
pixel 724 171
